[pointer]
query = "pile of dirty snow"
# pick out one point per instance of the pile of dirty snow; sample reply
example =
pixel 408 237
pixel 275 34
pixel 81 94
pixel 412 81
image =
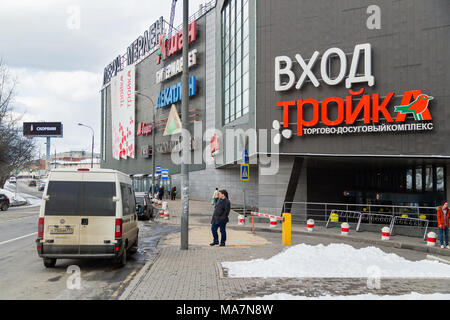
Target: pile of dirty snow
pixel 367 296
pixel 336 261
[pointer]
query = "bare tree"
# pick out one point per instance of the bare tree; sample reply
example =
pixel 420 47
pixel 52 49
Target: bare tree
pixel 15 150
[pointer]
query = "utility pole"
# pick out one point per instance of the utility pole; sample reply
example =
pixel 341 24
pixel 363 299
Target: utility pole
pixel 185 138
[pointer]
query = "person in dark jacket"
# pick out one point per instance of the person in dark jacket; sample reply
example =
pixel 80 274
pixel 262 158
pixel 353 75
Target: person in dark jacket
pixel 220 218
pixel 161 193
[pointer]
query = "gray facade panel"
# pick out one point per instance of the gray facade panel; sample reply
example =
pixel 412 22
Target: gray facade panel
pixel 146 84
pixel 408 53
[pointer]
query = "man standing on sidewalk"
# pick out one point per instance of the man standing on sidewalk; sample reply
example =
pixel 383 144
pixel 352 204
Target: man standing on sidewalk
pixel 215 196
pixel 220 218
pixel 443 223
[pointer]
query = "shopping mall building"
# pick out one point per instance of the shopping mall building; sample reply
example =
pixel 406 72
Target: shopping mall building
pixel 335 102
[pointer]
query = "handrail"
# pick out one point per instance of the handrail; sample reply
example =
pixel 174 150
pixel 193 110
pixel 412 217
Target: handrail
pixel 356 204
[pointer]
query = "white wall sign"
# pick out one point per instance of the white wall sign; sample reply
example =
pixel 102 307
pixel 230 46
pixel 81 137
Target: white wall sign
pixel 123 113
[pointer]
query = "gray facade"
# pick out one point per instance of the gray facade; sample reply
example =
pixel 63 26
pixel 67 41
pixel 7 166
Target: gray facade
pixel 408 53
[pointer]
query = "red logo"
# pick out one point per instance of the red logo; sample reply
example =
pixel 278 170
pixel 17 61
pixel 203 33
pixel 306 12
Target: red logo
pixel 143 128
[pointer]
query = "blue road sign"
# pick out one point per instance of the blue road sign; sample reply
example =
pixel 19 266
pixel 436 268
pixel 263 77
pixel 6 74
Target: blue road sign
pixel 164 174
pixel 245 172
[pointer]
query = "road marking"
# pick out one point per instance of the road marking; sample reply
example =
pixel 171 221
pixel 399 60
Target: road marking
pixel 17 219
pixel 11 240
pixel 130 276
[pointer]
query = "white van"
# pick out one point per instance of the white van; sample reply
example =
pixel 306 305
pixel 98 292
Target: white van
pixel 87 213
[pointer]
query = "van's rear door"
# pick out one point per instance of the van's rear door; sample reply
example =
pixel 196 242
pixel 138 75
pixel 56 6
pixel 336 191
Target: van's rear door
pixel 97 219
pixel 62 217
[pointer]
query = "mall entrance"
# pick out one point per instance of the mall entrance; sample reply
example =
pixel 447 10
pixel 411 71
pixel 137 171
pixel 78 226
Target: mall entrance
pixel 383 181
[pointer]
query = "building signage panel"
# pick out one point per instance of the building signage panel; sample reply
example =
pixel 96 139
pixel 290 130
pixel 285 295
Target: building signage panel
pixel 215 144
pixel 42 129
pixel 140 48
pixel 146 151
pixel 123 114
pixel 176 67
pixel 144 129
pixel 176 146
pixel 168 47
pixel 369 108
pixel 173 93
pixel 173 125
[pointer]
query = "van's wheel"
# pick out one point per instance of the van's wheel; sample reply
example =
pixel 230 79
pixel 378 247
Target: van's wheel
pixel 4 207
pixel 49 262
pixel 134 248
pixel 121 260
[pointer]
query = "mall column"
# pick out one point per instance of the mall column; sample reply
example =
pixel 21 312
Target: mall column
pixel 185 138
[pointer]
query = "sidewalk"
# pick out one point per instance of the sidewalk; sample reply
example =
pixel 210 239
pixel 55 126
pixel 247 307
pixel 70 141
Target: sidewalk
pixel 174 274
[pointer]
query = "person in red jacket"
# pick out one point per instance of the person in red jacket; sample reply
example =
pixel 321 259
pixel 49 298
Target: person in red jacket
pixel 443 216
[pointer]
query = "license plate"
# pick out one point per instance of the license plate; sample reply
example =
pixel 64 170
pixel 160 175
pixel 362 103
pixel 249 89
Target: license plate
pixel 61 230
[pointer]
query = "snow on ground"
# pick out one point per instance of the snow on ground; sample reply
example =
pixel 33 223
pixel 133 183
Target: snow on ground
pixel 336 261
pixel 12 196
pixel 20 198
pixel 367 296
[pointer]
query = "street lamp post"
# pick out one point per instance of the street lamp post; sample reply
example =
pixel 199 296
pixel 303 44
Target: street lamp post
pixel 184 122
pixel 92 150
pixel 153 141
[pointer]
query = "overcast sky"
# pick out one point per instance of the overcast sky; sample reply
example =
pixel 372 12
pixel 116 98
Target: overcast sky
pixel 57 50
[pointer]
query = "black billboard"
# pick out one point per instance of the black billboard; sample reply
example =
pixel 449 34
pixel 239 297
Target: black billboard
pixel 42 129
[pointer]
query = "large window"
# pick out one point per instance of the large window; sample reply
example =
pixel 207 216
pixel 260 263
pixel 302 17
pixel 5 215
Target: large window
pixel 235 59
pixel 76 198
pixel 428 178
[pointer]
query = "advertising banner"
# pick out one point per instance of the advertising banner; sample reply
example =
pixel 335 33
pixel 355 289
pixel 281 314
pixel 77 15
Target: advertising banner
pixel 42 129
pixel 123 114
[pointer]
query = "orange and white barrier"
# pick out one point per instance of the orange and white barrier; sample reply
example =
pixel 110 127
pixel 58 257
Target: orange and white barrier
pixel 431 239
pixel 166 214
pixel 310 225
pixel 165 210
pixel 273 219
pixel 241 220
pixel 385 233
pixel 273 222
pixel 344 228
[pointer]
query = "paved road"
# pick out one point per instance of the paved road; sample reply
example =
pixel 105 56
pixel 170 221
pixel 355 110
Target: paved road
pixel 23 275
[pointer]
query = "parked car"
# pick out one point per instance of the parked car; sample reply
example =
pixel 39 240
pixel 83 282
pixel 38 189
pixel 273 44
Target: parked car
pixel 32 183
pixel 4 202
pixel 143 206
pixel 12 180
pixel 87 213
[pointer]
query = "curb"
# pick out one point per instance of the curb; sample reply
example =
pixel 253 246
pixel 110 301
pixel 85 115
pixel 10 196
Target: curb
pixel 137 279
pixel 391 244
pixel 433 258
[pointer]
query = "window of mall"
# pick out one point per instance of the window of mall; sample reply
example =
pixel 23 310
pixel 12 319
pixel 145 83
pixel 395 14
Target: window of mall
pixel 235 59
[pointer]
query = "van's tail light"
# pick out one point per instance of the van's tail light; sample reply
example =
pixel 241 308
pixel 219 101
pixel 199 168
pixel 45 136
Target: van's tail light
pixel 83 169
pixel 118 229
pixel 41 228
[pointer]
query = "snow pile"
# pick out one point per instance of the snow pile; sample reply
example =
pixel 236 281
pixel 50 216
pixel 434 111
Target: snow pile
pixel 336 261
pixel 13 199
pixel 367 296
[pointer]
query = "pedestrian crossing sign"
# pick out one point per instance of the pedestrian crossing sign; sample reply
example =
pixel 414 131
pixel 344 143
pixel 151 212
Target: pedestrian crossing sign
pixel 245 176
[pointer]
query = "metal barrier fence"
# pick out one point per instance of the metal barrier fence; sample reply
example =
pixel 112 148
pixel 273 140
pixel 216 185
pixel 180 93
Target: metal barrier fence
pixel 374 218
pixel 302 211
